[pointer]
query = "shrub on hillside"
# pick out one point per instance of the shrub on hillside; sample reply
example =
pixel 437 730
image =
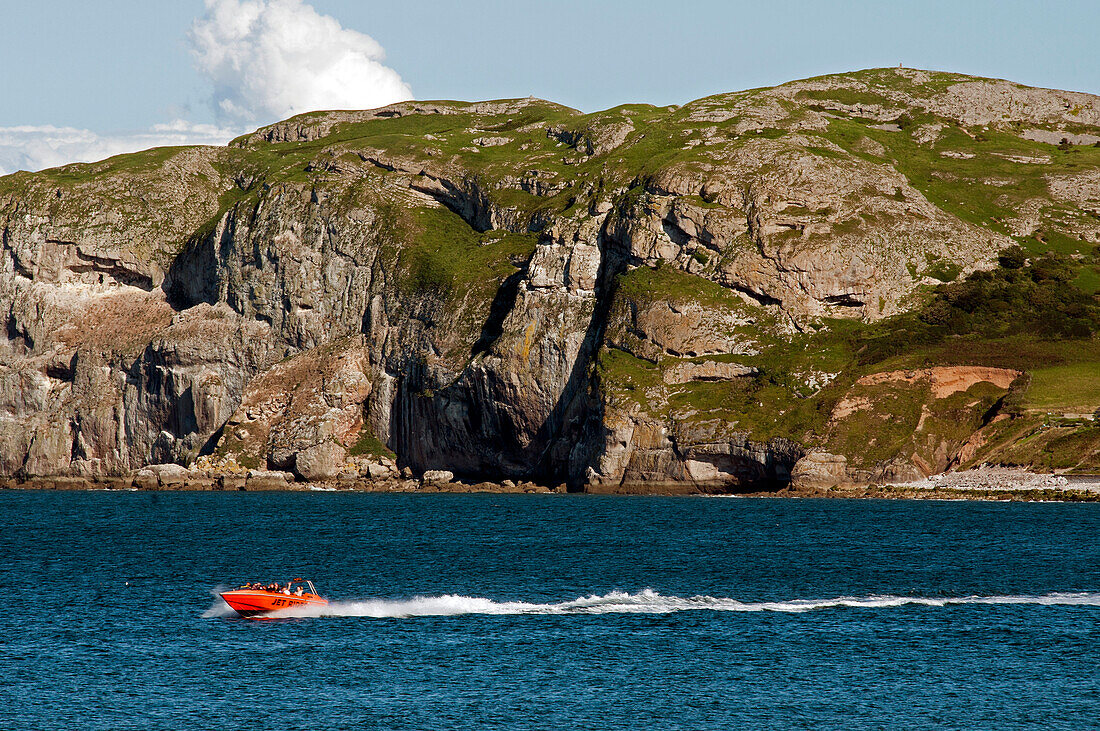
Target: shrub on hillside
pixel 1035 296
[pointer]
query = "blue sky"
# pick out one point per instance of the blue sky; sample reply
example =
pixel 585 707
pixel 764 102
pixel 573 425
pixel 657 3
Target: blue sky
pixel 116 68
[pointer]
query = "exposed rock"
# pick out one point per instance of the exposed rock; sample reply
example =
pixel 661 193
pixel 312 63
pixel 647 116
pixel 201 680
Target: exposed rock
pixel 268 480
pixel 432 476
pixel 169 474
pixel 600 137
pixel 820 470
pixel 377 471
pixel 322 461
pixel 1057 137
pixel 707 370
pixel 945 380
pixel 232 482
pixel 146 479
pixel 492 141
pixel 902 470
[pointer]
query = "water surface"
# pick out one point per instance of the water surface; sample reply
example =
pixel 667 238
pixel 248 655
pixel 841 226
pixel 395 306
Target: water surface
pixel 539 611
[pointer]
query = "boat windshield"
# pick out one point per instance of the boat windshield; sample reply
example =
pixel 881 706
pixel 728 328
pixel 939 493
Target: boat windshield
pixel 307 586
pixel 301 586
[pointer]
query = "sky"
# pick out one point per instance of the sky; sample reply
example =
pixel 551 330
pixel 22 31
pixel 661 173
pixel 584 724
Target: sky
pixel 83 80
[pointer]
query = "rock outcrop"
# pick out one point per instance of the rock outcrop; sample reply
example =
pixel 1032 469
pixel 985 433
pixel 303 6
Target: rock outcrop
pixel 515 290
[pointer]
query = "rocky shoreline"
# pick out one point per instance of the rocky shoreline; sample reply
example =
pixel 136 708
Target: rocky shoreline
pixel 987 483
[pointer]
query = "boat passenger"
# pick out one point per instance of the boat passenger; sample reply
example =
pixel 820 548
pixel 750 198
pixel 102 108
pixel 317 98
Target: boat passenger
pixel 298 592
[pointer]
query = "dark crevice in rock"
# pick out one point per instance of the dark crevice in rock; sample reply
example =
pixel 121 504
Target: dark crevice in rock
pixel 61 371
pixel 503 302
pixel 468 207
pixel 18 266
pixel 194 276
pixel 114 269
pixel 675 234
pixel 843 300
pixel 76 450
pixel 17 336
pixel 211 444
pixel 760 298
pixel 377 163
pixel 22 270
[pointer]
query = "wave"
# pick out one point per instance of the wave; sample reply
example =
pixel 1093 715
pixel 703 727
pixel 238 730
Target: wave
pixel 647 602
pixel 219 608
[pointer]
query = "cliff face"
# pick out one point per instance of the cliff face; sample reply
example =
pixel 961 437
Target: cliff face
pixel 514 289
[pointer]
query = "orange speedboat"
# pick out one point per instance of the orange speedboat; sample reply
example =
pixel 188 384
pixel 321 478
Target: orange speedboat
pixel 260 600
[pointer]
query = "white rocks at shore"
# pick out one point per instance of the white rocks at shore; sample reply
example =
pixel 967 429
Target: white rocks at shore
pixel 437 476
pixel 1002 479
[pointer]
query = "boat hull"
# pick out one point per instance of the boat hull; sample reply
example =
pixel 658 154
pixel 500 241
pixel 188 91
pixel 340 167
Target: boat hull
pixel 256 603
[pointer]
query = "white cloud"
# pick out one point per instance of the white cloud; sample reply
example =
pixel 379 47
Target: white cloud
pixel 266 60
pixel 38 147
pixel 272 59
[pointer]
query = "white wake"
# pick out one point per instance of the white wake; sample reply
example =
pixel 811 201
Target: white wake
pixel 646 602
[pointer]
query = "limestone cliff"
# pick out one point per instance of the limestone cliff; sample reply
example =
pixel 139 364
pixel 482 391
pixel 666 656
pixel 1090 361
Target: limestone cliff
pixel 641 296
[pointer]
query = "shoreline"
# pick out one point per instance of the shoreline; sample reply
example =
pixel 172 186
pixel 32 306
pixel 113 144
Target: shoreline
pixel 1077 488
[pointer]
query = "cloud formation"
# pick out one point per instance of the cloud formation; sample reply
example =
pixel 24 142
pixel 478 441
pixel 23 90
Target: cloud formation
pixel 37 147
pixel 272 59
pixel 265 59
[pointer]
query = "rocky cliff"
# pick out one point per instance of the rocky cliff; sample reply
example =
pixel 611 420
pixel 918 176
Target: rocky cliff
pixel 684 296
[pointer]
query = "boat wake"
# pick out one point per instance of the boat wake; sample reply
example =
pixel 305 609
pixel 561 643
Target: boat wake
pixel 643 602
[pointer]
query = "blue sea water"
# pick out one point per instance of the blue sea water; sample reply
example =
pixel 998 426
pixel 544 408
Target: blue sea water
pixel 531 612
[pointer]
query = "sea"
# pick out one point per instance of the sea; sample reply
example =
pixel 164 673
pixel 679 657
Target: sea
pixel 548 612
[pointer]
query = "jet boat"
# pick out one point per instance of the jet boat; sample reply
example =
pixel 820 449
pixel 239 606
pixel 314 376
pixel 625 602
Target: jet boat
pixel 260 600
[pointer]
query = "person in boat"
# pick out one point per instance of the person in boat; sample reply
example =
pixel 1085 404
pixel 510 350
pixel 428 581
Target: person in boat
pixel 298 592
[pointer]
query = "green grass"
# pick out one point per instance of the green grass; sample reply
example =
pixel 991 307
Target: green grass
pixel 1077 450
pixel 130 163
pixel 369 445
pixel 625 376
pixel 875 434
pixel 945 271
pixel 667 283
pixel 1088 280
pixel 1051 240
pixel 1072 388
pixel 443 256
